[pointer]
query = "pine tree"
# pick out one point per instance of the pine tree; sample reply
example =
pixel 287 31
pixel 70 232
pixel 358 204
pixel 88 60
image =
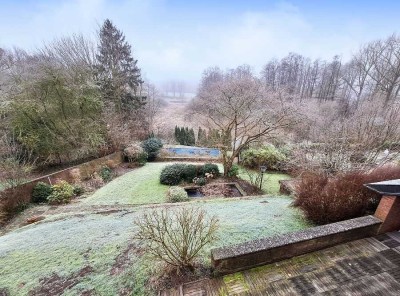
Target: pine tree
pixel 116 69
pixel 176 134
pixel 199 137
pixel 192 139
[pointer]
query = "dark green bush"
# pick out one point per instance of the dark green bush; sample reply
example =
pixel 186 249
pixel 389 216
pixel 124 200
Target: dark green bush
pixel 176 173
pixel 61 193
pixel 172 174
pixel 106 174
pixel 234 171
pixel 209 168
pixel 267 155
pixel 189 172
pixel 78 190
pixel 41 192
pixel 152 146
pixel 200 181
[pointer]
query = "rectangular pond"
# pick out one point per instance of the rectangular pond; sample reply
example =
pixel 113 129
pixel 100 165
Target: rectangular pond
pixel 194 151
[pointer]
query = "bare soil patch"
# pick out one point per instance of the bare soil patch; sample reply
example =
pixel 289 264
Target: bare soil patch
pixel 56 285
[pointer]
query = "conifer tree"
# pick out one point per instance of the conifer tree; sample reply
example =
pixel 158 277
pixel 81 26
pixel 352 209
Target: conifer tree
pixel 117 71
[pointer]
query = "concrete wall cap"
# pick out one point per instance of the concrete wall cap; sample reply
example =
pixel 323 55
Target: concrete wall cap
pixel 255 246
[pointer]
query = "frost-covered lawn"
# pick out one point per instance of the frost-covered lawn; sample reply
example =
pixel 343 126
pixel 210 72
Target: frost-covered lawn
pixel 141 186
pixel 95 252
pixel 270 183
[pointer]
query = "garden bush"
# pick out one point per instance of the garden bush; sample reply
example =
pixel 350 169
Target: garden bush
pixel 209 168
pixel 41 192
pixel 106 174
pixel 177 194
pixel 78 190
pixel 176 173
pixel 152 146
pixel 176 236
pixel 267 155
pixel 62 192
pixel 12 201
pixel 234 171
pixel 330 199
pixel 172 174
pixel 201 181
pixel 136 154
pixel 189 172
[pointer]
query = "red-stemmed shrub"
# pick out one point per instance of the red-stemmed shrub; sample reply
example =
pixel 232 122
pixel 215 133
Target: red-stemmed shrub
pixel 330 199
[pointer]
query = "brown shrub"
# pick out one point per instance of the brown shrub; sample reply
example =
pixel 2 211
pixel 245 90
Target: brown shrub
pixel 13 201
pixel 330 199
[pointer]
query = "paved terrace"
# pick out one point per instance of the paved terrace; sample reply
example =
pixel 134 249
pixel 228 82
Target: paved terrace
pixel 368 266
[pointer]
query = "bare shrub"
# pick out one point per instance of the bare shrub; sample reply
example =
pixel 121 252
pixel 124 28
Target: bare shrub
pixel 176 236
pixel 347 143
pixel 253 176
pixel 12 201
pixel 327 199
pixel 95 182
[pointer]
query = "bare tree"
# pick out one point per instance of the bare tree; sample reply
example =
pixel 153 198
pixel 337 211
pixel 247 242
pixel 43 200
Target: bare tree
pixel 241 109
pixel 154 103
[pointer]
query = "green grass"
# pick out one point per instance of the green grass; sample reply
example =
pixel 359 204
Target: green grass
pixel 65 243
pixel 270 183
pixel 141 186
pixel 65 246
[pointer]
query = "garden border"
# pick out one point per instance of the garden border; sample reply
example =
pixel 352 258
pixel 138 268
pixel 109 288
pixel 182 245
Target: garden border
pixel 254 253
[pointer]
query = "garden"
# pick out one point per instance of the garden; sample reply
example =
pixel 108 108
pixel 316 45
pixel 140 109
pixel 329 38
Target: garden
pixel 116 230
pixel 86 239
pixel 91 203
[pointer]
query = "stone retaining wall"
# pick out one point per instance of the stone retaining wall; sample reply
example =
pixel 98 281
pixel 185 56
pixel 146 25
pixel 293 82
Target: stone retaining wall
pixel 272 249
pixel 82 171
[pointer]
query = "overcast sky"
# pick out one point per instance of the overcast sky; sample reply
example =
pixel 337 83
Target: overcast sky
pixel 179 39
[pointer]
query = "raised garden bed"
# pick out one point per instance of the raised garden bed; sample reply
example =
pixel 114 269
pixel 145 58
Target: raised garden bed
pixel 216 190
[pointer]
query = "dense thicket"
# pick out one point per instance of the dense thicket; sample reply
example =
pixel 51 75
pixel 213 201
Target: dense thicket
pixel 71 99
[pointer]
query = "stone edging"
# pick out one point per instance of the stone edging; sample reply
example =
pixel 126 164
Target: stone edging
pixel 271 249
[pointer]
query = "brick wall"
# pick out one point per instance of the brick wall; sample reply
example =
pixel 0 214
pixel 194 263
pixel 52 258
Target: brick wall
pixel 83 171
pixel 389 212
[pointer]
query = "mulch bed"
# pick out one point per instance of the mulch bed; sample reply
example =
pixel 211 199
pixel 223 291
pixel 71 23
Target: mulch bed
pixel 246 186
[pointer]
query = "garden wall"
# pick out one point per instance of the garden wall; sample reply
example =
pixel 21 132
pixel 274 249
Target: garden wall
pixel 268 250
pixel 83 171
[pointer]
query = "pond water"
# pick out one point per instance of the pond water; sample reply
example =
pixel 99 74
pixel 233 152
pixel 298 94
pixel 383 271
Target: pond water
pixel 194 151
pixel 194 192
